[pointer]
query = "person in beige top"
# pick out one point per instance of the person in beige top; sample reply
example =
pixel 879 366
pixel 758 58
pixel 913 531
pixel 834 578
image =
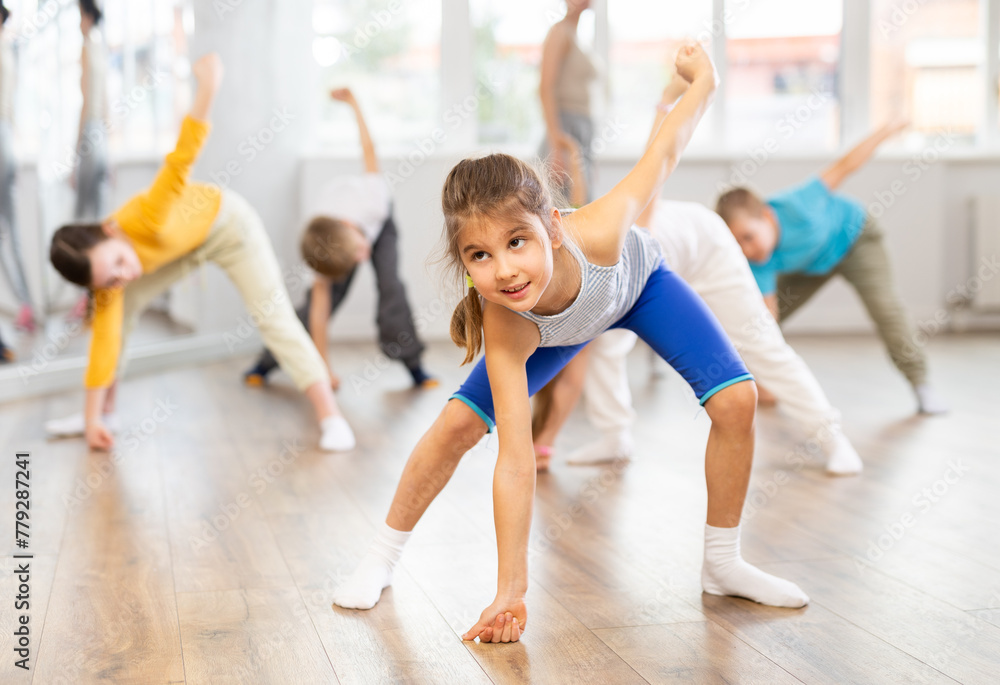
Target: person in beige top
pixel 10 248
pixel 567 72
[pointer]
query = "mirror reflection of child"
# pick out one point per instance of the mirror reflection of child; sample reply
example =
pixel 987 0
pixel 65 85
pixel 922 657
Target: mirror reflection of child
pixel 154 240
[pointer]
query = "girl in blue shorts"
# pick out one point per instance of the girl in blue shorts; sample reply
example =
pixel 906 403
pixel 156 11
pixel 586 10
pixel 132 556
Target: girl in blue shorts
pixel 535 298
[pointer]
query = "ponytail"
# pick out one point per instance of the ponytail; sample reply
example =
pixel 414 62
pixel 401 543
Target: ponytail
pixel 467 325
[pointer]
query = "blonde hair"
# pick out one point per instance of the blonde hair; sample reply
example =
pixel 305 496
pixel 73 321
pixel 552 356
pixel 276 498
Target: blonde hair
pixel 486 188
pixel 737 200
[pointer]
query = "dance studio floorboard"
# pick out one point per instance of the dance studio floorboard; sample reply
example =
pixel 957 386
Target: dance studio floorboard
pixel 205 549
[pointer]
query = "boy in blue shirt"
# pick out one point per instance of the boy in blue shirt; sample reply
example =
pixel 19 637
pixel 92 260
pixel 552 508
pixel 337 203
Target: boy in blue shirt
pixel 353 223
pixel 797 240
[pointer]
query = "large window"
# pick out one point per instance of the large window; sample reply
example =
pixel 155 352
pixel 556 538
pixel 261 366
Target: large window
pixel 507 48
pixel 147 85
pixel 788 82
pixel 925 64
pixel 781 80
pixel 389 52
pixel 146 45
pixel 644 39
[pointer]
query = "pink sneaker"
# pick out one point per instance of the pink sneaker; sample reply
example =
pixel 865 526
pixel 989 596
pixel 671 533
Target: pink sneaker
pixel 25 320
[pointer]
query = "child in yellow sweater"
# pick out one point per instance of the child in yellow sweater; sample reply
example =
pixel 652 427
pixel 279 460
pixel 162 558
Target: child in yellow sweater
pixel 156 238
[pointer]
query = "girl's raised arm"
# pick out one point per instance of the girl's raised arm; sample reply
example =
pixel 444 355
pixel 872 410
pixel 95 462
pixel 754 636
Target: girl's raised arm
pixel 604 223
pixel 675 88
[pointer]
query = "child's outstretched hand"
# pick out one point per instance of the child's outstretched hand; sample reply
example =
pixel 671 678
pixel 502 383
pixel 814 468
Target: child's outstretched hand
pixel 208 70
pixel 693 62
pixel 99 437
pixel 342 95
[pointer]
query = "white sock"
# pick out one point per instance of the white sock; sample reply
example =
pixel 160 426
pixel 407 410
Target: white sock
pixel 337 435
pixel 363 589
pixel 611 447
pixel 74 425
pixel 841 457
pixel 928 401
pixel 726 573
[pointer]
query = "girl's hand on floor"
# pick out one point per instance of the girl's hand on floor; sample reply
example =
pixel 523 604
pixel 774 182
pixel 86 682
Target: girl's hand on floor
pixel 502 621
pixel 99 437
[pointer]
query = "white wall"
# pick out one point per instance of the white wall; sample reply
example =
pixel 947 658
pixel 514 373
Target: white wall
pixel 926 228
pixel 260 124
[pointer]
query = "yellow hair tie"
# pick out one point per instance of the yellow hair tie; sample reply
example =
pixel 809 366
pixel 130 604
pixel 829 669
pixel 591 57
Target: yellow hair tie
pixel 468 281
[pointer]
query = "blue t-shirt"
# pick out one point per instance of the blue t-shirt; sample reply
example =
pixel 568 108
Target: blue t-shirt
pixel 817 230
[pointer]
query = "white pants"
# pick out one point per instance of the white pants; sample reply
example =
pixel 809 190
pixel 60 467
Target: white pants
pixel 724 281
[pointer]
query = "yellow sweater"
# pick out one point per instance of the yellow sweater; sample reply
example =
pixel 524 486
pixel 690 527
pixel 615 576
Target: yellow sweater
pixel 168 221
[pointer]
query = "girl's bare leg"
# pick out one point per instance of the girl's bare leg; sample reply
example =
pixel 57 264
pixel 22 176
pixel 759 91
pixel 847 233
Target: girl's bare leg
pixel 728 458
pixel 430 467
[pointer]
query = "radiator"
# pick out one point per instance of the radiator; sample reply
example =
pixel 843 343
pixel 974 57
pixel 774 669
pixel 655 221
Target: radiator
pixel 983 286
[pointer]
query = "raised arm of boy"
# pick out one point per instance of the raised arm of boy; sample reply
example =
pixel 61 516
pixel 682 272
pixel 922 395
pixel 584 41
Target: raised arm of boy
pixel 859 155
pixel 367 146
pixel 320 303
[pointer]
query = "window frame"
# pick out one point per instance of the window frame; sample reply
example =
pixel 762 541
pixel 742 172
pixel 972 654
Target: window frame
pixel 458 75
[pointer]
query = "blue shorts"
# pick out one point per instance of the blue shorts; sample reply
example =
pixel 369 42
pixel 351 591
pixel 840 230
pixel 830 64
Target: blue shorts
pixel 669 316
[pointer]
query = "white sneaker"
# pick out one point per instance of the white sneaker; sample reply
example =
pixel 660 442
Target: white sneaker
pixel 841 457
pixel 337 435
pixel 928 401
pixel 608 449
pixel 74 426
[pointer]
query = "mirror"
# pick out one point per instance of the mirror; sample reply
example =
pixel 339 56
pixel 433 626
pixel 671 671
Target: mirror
pixel 87 112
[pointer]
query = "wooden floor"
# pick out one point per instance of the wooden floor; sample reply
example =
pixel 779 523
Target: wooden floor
pixel 206 549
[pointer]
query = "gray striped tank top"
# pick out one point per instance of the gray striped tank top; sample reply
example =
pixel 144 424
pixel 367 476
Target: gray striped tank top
pixel 607 293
